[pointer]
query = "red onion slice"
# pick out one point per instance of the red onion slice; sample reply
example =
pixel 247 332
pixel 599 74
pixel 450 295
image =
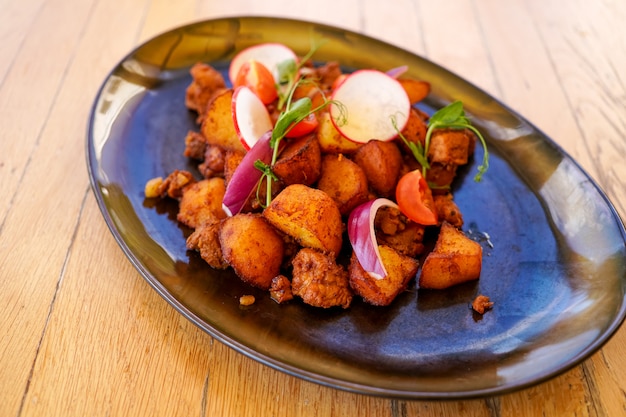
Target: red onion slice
pixel 246 177
pixel 363 236
pixel 397 71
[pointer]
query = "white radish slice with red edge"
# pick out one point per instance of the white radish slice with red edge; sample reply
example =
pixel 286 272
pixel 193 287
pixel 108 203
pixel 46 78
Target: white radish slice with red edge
pixel 250 116
pixel 268 54
pixel 370 104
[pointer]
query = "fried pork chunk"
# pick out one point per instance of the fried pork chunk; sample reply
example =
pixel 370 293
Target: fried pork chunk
pixel 319 281
pixel 206 81
pixel 205 239
pixel 396 231
pixel 447 210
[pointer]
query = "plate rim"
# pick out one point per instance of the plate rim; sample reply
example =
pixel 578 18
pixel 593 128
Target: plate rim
pixel 295 371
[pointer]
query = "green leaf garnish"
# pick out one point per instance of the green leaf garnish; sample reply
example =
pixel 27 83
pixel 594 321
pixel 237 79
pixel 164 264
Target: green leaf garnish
pixel 453 117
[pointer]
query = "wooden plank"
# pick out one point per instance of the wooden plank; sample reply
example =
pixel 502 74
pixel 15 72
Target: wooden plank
pixel 16 23
pixel 34 241
pixel 594 81
pixel 24 115
pixel 113 345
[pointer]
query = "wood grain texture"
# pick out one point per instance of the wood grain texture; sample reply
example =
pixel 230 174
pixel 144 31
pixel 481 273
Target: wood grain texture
pixel 84 334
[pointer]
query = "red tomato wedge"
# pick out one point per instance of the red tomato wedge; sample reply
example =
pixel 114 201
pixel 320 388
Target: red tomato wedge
pixel 259 79
pixel 269 54
pixel 303 127
pixel 415 199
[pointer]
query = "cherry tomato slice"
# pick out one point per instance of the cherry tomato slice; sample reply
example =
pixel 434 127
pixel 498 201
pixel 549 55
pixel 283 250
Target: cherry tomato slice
pixel 415 199
pixel 259 79
pixel 303 127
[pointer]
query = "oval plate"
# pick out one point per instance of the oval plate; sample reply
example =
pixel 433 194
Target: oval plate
pixel 554 247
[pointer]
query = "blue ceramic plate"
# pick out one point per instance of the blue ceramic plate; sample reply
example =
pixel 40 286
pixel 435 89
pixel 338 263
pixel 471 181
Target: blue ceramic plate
pixel 554 248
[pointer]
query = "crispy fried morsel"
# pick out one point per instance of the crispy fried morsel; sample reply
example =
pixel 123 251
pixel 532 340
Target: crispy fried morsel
pixel 205 239
pixel 280 289
pixel 319 281
pixel 381 292
pixel 175 183
pixel 308 215
pixel 450 146
pixel 454 260
pixel 152 187
pixel 447 210
pixel 200 201
pixel 195 145
pixel 205 82
pixel 441 176
pixel 247 300
pixel 252 248
pixel 232 159
pixel 395 230
pixel 415 130
pixel 218 126
pixel 417 90
pixel 344 181
pixel 300 162
pixel 329 138
pixel 327 74
pixel 481 304
pixel 214 161
pixel 381 162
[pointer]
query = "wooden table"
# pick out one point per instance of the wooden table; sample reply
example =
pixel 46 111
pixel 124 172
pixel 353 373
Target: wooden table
pixel 84 335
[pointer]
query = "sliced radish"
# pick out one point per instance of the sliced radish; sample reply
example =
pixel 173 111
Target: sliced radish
pixel 250 116
pixel 370 104
pixel 268 54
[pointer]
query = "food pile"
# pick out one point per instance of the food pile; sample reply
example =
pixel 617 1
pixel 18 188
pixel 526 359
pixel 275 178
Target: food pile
pixel 320 185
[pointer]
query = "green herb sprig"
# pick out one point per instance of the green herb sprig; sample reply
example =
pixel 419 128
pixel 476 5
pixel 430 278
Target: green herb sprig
pixel 453 117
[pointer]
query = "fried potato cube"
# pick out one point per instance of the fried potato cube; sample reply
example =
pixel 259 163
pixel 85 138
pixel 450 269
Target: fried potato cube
pixel 344 181
pixel 319 281
pixel 252 247
pixel 217 126
pixel 308 215
pixel 382 163
pixel 400 269
pixel 206 239
pixel 300 162
pixel 450 146
pixel 454 260
pixel 200 201
pixel 417 90
pixel 329 138
pixel 415 130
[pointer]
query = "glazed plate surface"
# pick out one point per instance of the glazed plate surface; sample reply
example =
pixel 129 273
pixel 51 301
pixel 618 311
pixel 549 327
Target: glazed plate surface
pixel 554 248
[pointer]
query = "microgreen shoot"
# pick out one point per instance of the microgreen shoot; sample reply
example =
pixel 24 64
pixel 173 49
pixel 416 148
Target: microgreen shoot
pixel 453 117
pixel 288 75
